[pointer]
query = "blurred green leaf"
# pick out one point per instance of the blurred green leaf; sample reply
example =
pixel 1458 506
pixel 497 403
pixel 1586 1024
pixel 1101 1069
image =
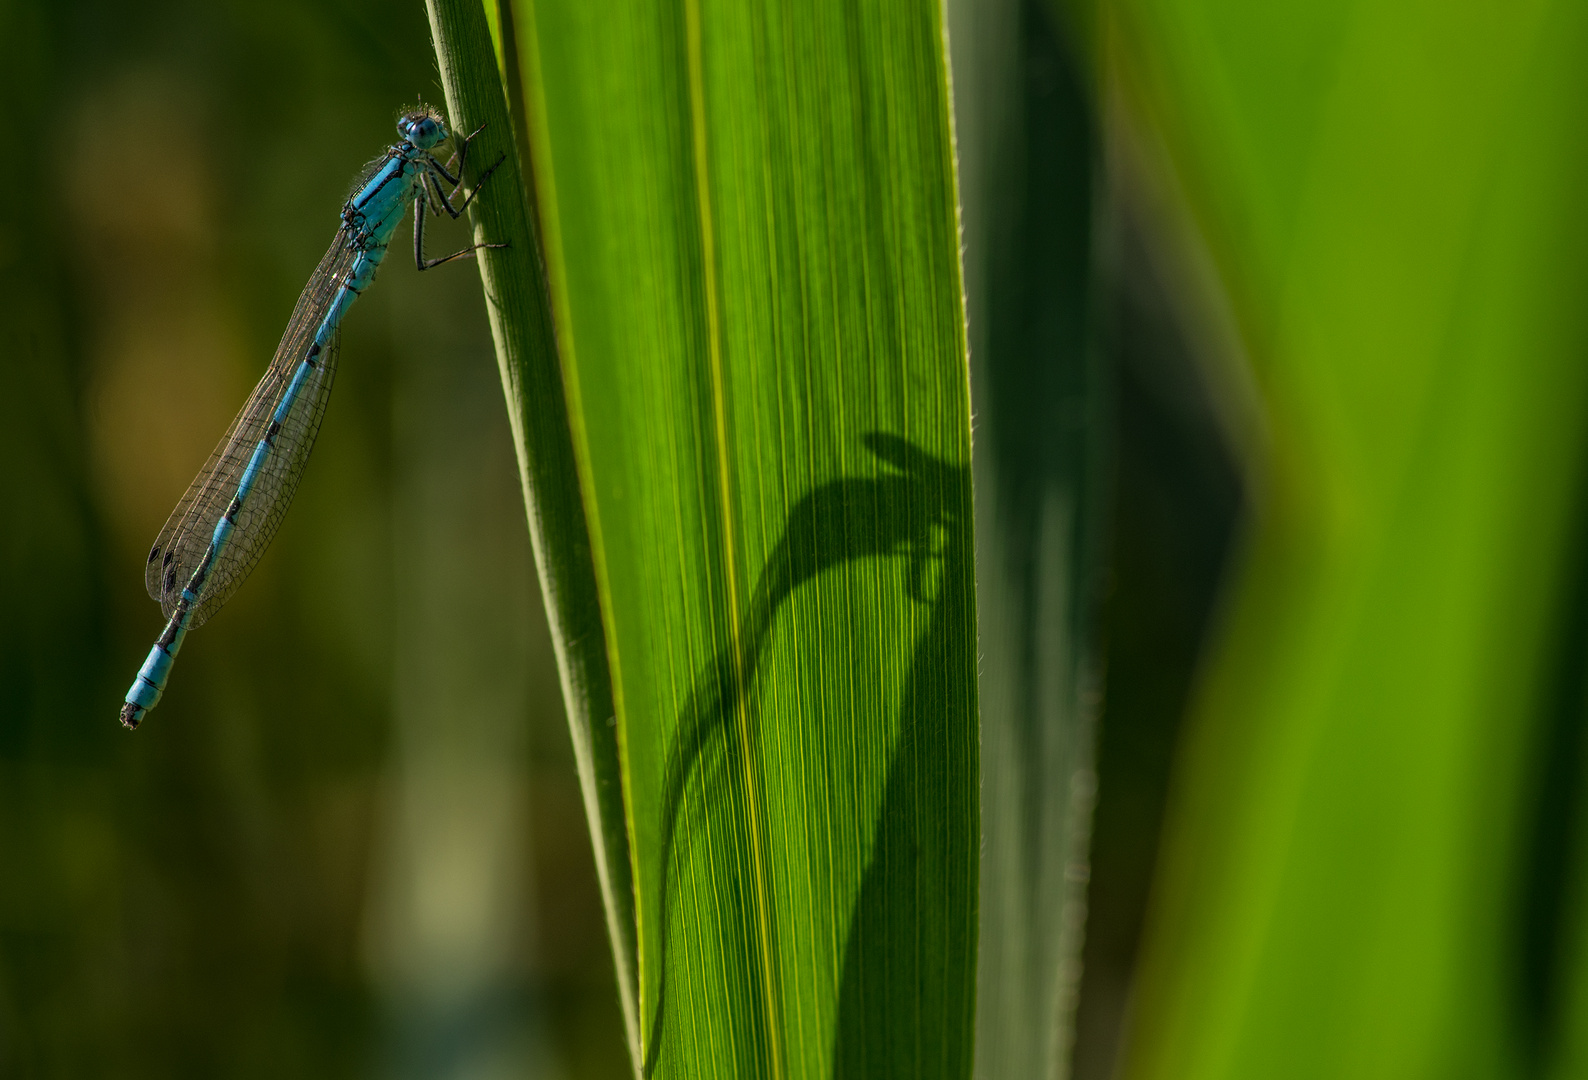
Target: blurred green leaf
pixel 1391 195
pixel 1025 147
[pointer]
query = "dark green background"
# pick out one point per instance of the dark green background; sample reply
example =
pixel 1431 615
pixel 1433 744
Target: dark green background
pixel 204 897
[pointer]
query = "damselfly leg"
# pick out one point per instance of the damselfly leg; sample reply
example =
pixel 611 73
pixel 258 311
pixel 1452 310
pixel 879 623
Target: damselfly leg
pixel 430 192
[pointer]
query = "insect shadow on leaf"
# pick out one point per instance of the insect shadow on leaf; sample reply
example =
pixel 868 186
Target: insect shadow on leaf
pixel 920 510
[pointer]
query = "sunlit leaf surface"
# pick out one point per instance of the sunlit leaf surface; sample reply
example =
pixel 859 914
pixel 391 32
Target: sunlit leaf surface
pixel 750 237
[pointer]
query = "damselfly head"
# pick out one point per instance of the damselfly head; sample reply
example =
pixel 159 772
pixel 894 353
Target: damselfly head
pixel 423 128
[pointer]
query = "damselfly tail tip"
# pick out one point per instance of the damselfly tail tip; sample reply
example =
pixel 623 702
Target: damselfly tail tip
pixel 130 715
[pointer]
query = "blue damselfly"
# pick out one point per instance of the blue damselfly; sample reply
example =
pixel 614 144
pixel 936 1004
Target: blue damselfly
pixel 222 526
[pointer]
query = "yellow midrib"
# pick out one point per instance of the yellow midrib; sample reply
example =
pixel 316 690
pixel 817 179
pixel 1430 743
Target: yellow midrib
pixel 697 117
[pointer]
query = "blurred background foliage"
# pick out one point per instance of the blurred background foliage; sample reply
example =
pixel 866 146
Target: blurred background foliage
pixel 1371 861
pixel 1334 277
pixel 354 844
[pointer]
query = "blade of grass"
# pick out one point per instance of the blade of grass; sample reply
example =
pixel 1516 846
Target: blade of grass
pixel 526 348
pixel 752 252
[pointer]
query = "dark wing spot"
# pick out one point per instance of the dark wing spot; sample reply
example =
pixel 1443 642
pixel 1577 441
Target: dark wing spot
pixel 154 553
pixel 169 555
pixel 170 580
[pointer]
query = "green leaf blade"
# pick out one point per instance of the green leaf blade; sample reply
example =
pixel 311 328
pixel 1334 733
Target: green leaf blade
pixel 756 277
